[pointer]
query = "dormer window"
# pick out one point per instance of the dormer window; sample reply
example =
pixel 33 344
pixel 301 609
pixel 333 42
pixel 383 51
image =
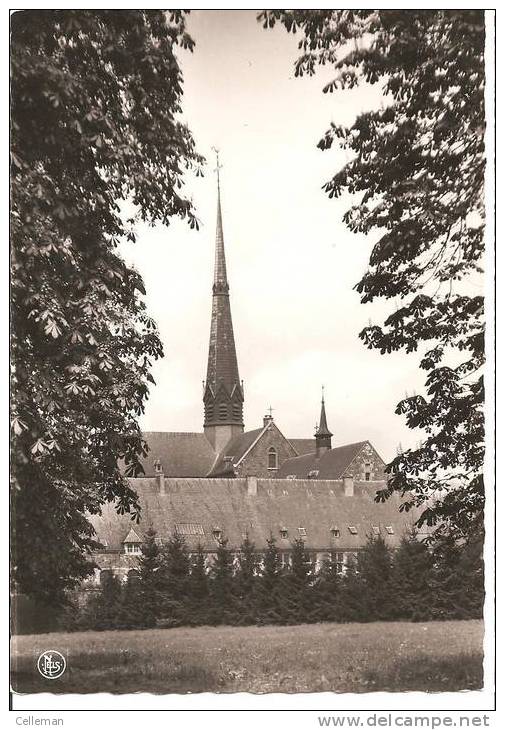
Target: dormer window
pixel 284 533
pixel 217 533
pixel 272 458
pixel 313 474
pixel 375 529
pixel 132 548
pixel 389 530
pixel 132 543
pixel 335 531
pixel 352 529
pixel 302 532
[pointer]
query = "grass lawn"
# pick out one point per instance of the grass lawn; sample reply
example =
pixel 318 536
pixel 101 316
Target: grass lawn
pixel 432 657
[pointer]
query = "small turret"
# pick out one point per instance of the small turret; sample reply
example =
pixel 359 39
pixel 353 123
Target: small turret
pixel 323 434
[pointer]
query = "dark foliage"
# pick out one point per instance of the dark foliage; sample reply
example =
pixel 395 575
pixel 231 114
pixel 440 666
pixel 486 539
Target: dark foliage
pixel 414 583
pixel 94 121
pixel 148 584
pixel 415 170
pixel 223 599
pixel 412 566
pixel 376 577
pixel 102 611
pixel 173 580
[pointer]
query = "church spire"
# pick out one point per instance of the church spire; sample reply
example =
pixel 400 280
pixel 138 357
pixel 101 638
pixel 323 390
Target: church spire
pixel 223 395
pixel 323 434
pixel 220 278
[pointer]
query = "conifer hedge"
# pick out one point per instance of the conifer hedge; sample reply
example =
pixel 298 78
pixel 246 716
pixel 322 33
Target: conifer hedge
pixel 175 588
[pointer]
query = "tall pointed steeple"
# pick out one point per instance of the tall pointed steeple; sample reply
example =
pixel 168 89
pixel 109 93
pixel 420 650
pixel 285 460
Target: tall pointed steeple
pixel 323 434
pixel 223 394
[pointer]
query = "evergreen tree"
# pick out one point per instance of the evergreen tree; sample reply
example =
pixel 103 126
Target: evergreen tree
pixel 149 563
pixel 198 590
pixel 327 591
pixel 245 582
pixel 173 580
pixel 375 572
pixel 102 610
pixel 352 594
pixel 456 580
pixel 221 585
pixel 471 570
pixel 271 608
pixel 131 612
pixel 298 582
pixel 412 564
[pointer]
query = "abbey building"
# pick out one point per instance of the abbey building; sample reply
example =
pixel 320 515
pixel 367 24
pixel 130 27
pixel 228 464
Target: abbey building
pixel 226 482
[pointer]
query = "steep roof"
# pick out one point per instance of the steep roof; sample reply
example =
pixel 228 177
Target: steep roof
pixel 234 451
pixel 303 446
pixel 330 465
pixel 238 447
pixel 196 507
pixel 180 454
pixel 132 537
pixel 222 366
pixel 322 429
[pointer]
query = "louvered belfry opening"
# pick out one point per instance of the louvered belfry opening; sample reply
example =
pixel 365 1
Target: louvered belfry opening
pixel 223 393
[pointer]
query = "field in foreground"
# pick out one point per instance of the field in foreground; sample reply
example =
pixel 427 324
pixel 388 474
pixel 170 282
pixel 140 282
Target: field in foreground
pixel 433 657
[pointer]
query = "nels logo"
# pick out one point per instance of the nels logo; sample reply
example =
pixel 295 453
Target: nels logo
pixel 51 664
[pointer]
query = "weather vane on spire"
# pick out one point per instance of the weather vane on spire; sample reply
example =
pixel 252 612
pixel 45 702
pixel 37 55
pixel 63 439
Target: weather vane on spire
pixel 218 166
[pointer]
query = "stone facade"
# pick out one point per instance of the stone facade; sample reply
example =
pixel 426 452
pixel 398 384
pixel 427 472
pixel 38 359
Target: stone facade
pixel 272 448
pixel 367 465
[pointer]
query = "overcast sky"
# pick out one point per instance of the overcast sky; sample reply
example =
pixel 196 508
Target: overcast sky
pixel 292 263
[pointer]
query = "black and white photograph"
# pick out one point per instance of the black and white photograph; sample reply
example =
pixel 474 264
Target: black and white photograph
pixel 252 355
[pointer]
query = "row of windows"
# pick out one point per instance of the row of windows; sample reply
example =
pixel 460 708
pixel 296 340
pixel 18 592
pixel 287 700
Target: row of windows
pixel 317 559
pixel 335 531
pixel 133 548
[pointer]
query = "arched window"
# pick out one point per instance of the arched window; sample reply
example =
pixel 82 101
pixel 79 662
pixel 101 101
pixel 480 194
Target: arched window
pixel 133 576
pixel 272 458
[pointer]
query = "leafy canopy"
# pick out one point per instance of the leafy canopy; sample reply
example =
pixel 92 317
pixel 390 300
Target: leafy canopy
pixel 95 120
pixel 415 169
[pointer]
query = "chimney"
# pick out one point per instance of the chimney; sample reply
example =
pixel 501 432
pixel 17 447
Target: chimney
pixel 252 486
pixel 160 476
pixel 349 486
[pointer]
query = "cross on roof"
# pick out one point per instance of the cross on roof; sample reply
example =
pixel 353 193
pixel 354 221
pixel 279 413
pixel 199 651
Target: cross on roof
pixel 218 165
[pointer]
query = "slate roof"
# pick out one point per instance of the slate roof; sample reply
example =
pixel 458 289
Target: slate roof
pixel 132 537
pixel 331 464
pixel 180 454
pixel 303 446
pixel 233 452
pixel 317 506
pixel 222 367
